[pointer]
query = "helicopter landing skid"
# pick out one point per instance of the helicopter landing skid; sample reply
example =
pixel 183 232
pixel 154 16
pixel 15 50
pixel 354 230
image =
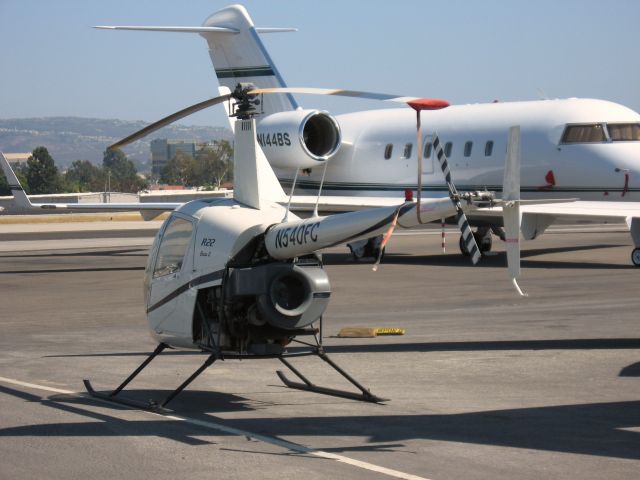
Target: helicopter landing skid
pixel 308 386
pixel 151 405
pixel 160 407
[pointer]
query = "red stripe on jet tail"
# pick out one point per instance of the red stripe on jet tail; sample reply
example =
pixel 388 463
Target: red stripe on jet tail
pixel 428 104
pixel 511 240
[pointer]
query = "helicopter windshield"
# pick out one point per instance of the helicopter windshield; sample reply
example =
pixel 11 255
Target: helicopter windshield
pixel 173 247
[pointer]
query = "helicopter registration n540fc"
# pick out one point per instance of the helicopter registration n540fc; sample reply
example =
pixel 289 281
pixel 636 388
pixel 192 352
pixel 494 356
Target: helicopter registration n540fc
pixel 300 234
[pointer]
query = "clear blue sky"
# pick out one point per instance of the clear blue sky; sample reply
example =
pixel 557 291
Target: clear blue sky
pixel 52 63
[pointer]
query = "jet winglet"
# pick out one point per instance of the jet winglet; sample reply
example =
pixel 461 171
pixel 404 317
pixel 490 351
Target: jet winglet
pixel 19 196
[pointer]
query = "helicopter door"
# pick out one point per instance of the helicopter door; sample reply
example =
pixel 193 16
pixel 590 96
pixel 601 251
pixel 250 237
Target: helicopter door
pixel 170 272
pixel 427 157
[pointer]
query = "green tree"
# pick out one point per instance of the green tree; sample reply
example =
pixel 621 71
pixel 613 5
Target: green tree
pixel 42 173
pixel 4 184
pixel 84 176
pixel 181 170
pixel 123 174
pixel 215 164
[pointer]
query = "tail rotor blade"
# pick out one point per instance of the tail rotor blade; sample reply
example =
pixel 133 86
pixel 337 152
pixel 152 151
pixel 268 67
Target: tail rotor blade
pixel 463 224
pixel 511 206
pixel 467 235
pixel 511 216
pixel 419 157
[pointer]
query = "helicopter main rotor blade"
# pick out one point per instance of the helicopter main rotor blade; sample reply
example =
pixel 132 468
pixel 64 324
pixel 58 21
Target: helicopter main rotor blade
pixel 423 103
pixel 170 119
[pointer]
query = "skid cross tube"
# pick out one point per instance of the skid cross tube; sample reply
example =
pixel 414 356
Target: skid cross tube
pixel 203 367
pixel 135 373
pixel 308 386
pixel 151 404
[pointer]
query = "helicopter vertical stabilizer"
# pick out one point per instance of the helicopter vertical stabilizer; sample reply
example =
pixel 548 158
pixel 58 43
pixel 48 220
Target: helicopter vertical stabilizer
pixel 255 182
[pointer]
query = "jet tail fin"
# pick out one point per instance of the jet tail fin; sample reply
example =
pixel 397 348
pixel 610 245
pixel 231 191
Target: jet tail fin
pixel 19 195
pixel 237 53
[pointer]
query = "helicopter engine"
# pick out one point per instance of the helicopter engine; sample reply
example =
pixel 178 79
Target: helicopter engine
pixel 259 309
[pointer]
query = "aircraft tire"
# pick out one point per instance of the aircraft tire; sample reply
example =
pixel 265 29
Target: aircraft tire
pixel 484 242
pixel 635 257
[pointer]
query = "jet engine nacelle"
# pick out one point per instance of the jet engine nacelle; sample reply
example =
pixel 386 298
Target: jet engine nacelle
pixel 299 139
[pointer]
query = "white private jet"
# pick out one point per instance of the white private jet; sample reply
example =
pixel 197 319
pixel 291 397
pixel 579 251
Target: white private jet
pixel 582 148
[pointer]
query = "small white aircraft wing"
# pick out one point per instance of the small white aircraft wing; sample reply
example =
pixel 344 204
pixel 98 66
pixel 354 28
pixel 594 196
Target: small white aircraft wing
pixel 22 200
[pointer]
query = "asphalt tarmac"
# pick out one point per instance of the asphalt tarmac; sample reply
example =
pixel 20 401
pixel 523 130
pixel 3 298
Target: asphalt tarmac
pixel 483 385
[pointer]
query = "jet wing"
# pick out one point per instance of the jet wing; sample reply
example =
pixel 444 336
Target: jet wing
pixel 537 217
pixel 616 212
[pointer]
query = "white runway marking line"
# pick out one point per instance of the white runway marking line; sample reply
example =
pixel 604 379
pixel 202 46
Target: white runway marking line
pixel 242 433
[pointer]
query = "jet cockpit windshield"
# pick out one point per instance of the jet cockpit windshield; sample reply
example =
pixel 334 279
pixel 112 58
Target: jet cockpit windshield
pixel 601 132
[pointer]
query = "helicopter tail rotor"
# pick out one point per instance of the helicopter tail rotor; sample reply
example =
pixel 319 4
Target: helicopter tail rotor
pixel 461 219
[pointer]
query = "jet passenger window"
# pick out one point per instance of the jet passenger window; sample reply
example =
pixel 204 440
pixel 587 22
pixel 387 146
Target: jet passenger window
pixel 427 150
pixel 173 247
pixel 624 132
pixel 388 150
pixel 447 149
pixel 488 148
pixel 467 149
pixel 407 150
pixel 584 134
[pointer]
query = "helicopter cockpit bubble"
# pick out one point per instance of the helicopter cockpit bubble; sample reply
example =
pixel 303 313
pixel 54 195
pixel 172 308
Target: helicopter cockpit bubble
pixel 168 269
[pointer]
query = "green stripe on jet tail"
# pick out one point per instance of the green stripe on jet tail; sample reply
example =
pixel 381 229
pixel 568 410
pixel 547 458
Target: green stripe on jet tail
pixel 265 71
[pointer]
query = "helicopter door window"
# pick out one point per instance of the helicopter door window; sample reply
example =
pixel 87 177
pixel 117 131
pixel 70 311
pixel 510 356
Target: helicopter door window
pixel 173 247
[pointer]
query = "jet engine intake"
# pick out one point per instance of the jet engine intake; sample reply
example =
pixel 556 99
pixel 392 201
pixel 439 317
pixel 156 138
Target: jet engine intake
pixel 299 139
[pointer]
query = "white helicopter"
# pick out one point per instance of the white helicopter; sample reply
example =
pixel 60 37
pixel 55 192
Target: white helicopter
pixel 240 278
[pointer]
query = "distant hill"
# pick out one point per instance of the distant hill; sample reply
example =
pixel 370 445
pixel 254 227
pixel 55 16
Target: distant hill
pixel 75 138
